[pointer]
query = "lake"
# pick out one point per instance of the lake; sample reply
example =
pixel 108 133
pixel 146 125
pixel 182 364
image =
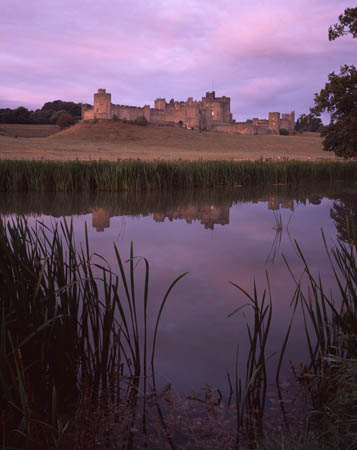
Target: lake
pixel 225 235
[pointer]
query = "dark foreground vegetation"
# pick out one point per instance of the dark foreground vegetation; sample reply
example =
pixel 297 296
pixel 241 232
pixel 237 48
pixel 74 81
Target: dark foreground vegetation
pixel 77 363
pixel 136 175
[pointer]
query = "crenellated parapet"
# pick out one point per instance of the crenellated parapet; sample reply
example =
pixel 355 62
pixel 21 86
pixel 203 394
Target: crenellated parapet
pixel 210 113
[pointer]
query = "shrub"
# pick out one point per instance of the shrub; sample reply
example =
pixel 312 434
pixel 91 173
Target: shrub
pixel 283 132
pixel 62 118
pixel 141 120
pixel 115 118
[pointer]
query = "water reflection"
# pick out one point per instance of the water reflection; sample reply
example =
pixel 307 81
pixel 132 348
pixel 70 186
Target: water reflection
pixel 207 214
pixel 218 236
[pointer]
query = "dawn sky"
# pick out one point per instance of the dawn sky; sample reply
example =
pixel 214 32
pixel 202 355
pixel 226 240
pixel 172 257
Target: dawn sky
pixel 267 55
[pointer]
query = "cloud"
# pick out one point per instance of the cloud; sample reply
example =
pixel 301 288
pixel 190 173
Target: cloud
pixel 263 54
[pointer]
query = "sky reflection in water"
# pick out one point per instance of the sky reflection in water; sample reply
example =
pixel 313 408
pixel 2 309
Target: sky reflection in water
pixel 216 240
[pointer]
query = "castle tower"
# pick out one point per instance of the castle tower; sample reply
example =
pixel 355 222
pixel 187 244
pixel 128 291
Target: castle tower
pixel 102 104
pixel 160 103
pixel 100 219
pixel 274 122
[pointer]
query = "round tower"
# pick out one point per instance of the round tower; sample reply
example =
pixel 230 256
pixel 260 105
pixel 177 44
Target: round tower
pixel 102 104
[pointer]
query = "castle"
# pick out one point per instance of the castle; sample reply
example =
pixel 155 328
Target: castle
pixel 210 113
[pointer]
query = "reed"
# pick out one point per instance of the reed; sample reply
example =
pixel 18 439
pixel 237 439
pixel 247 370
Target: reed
pixel 70 333
pixel 331 338
pixel 136 175
pixel 67 322
pixel 250 391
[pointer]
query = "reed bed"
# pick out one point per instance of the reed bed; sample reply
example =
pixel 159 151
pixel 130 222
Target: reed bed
pixel 69 326
pixel 330 376
pixel 75 354
pixel 136 175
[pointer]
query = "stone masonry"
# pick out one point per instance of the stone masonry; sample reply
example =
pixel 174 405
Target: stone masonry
pixel 210 113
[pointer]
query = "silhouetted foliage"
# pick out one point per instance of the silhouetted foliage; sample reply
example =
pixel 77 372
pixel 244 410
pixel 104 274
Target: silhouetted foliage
pixel 339 98
pixel 41 117
pixel 347 24
pixel 58 105
pixel 45 115
pixel 344 214
pixel 307 122
pixel 62 118
pixel 283 132
pixel 141 121
pixel 18 115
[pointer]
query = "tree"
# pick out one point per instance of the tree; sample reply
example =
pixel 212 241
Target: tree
pixel 62 118
pixel 347 20
pixel 58 105
pixel 22 115
pixel 307 122
pixel 339 98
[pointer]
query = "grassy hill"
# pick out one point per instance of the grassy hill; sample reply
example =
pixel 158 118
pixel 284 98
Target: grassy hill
pixel 116 140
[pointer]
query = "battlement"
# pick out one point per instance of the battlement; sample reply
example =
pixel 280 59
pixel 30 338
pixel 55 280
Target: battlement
pixel 209 113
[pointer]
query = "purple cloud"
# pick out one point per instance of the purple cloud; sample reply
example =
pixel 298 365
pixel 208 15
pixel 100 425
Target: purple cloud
pixel 264 55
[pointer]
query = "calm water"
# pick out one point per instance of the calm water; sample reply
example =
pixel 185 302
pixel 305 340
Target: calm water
pixel 217 236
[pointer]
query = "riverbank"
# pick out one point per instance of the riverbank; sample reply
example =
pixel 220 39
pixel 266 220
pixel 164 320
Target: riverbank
pixel 116 140
pixel 136 175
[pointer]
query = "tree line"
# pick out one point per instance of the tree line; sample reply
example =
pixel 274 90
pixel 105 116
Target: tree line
pixel 57 112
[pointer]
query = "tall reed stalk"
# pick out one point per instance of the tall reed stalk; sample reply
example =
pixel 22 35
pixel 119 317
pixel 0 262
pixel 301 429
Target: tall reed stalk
pixel 136 175
pixel 68 323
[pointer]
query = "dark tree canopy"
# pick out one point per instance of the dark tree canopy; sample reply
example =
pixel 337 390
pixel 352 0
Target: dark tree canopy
pixel 347 24
pixel 45 115
pixel 18 115
pixel 307 122
pixel 58 105
pixel 339 98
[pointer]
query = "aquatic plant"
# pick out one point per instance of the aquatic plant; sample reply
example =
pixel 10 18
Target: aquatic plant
pixel 74 343
pixel 136 175
pixel 68 324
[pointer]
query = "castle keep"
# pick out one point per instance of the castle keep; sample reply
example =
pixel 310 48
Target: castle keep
pixel 210 113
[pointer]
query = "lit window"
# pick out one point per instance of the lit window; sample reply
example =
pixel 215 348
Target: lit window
pixel 212 113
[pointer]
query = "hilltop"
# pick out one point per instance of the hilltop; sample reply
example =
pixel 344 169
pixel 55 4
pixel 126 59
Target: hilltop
pixel 118 140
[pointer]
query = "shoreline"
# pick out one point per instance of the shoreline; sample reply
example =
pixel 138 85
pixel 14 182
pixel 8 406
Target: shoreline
pixel 137 175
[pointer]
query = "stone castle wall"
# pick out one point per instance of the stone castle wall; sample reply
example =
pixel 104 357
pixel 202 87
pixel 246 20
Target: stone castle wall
pixel 210 113
pixel 130 112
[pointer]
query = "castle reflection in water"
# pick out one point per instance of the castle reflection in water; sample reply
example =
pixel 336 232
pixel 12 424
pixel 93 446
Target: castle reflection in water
pixel 207 215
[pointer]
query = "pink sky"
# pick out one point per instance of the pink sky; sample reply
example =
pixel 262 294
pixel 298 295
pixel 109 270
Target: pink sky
pixel 267 55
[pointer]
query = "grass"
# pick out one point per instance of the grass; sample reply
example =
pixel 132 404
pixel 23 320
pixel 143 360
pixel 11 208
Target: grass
pixel 27 131
pixel 110 140
pixel 135 175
